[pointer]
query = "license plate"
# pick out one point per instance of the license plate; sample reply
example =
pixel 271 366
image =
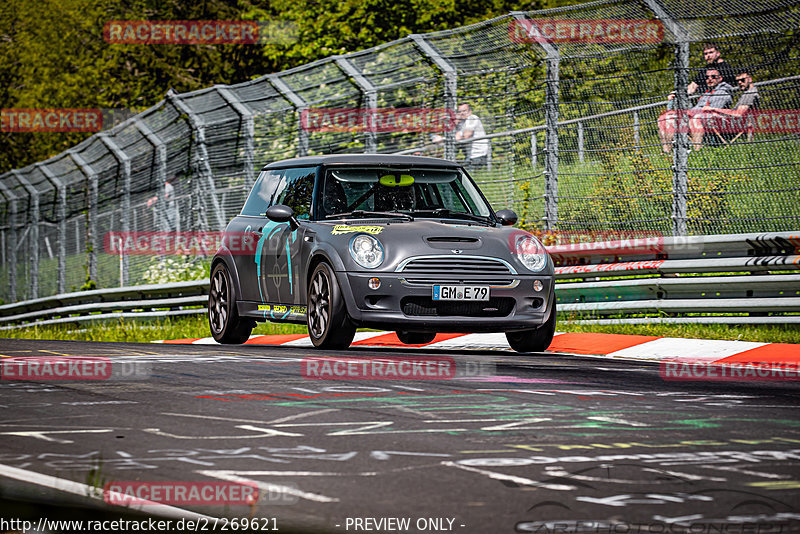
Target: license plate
pixel 460 292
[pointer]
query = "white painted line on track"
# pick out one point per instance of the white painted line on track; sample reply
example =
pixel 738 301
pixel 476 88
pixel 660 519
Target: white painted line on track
pixel 236 476
pixel 496 341
pixel 696 350
pixel 205 341
pixel 306 341
pixel 77 488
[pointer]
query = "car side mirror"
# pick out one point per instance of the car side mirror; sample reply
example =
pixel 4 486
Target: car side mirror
pixel 507 217
pixel 282 213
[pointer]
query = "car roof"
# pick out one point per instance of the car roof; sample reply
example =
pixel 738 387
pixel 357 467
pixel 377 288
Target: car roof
pixel 360 159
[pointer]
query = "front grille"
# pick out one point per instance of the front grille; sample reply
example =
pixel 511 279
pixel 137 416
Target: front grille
pixel 438 265
pixel 427 307
pixel 494 282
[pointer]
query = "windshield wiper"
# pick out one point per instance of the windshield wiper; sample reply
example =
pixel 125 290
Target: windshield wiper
pixel 362 213
pixel 450 214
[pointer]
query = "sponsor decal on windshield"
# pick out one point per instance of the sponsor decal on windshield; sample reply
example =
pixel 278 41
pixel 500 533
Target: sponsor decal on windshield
pixel 340 229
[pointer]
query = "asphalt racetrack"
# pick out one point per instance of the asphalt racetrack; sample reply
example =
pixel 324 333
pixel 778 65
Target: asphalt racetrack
pixel 546 443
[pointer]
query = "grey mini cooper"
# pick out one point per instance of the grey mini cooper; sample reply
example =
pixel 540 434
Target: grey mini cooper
pixel 399 243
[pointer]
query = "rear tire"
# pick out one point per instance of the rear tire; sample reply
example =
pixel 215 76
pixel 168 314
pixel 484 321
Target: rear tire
pixel 537 339
pixel 415 338
pixel 329 326
pixel 223 317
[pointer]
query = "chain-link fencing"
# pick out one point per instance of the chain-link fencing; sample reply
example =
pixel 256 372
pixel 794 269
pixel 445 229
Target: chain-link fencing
pixel 576 131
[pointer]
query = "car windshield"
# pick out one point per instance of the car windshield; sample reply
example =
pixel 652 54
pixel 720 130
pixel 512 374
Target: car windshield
pixel 418 192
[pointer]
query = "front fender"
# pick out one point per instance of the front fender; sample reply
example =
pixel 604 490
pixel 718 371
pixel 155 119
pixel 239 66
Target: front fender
pixel 224 255
pixel 326 252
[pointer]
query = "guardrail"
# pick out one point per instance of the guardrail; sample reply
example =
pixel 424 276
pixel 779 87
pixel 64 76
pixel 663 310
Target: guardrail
pixel 663 279
pixel 139 302
pixel 736 279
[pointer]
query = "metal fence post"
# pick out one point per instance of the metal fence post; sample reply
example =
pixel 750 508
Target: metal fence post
pixel 299 104
pixel 370 100
pixel 450 89
pixel 11 199
pixel 35 220
pixel 61 215
pixel 580 142
pixel 161 169
pixel 681 154
pixel 249 132
pixel 91 237
pixel 124 162
pixel 551 142
pixel 551 101
pixel 200 156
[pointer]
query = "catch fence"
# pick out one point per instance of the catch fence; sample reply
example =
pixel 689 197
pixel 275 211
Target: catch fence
pixel 572 121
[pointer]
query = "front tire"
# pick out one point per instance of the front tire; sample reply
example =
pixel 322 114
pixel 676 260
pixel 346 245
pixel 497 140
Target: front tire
pixel 415 338
pixel 536 339
pixel 223 318
pixel 329 326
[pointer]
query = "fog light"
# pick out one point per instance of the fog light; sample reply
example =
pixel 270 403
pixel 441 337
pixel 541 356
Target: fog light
pixel 537 285
pixel 374 283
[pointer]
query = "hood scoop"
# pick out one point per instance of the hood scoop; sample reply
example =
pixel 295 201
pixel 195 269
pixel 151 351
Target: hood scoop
pixel 452 239
pixel 451 242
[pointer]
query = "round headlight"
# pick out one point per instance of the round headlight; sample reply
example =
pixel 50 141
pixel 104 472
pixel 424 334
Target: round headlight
pixel 366 250
pixel 531 253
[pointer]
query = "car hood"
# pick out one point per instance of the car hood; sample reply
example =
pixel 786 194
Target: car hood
pixel 424 237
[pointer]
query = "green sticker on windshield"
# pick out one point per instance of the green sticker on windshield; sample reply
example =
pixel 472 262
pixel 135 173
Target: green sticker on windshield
pixel 393 180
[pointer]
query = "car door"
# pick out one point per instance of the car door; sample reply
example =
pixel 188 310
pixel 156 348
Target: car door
pixel 280 249
pixel 251 225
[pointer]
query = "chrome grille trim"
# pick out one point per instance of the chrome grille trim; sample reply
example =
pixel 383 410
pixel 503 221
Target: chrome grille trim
pixel 460 264
pixel 428 282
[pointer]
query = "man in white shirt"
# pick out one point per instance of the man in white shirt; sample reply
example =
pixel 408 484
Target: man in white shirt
pixel 469 126
pixel 172 214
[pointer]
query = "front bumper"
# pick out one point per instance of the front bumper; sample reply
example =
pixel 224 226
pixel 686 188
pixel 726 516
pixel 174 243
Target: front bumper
pixel 404 304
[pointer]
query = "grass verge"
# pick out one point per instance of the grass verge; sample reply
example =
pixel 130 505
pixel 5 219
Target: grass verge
pixel 136 331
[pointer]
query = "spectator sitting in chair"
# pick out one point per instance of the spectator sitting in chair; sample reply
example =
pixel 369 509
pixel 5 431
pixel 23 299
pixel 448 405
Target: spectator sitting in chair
pixel 713 58
pixel 731 120
pixel 715 101
pixel 718 96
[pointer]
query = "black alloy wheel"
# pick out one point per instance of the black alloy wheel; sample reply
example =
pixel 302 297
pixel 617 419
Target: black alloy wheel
pixel 537 339
pixel 223 318
pixel 329 326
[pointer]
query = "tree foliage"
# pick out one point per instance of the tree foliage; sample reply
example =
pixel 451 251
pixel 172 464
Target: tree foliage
pixel 53 55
